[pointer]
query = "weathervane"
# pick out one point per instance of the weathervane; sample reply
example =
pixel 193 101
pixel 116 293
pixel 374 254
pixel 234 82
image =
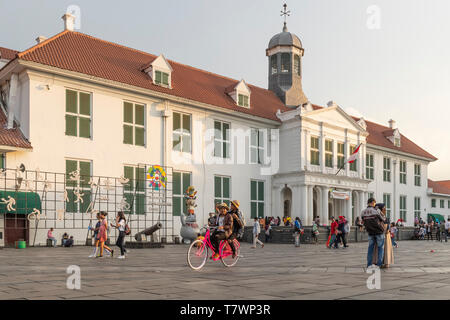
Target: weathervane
pixel 285 13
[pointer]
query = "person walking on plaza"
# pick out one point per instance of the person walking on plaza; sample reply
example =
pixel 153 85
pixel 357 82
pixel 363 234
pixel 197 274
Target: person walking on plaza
pixel 298 230
pixel 317 220
pixel 374 223
pixel 315 232
pixel 332 235
pixel 341 232
pixel 103 235
pixel 51 237
pixel 120 225
pixel 256 232
pixel 267 232
pixel 429 228
pixel 437 228
pixel 393 233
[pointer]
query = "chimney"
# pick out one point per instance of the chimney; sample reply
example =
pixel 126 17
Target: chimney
pixel 331 104
pixel 392 124
pixel 69 21
pixel 40 39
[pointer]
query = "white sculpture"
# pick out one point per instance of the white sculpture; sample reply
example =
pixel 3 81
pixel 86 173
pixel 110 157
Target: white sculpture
pixel 75 176
pixel 66 196
pixel 28 186
pixel 124 205
pixel 9 203
pixel 123 180
pixel 38 174
pixel 92 183
pixel 77 192
pixel 60 213
pixel 108 184
pixel 47 185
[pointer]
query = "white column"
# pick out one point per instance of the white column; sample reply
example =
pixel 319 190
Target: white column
pixel 310 214
pixel 322 149
pixel 349 215
pixel 277 206
pixel 303 203
pixel 346 152
pixel 362 202
pixel 335 155
pixel 307 149
pixel 324 209
pixel 296 200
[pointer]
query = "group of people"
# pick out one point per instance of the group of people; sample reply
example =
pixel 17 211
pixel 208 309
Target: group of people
pixel 228 224
pixel 430 228
pixel 100 235
pixel 380 232
pixel 65 242
pixel 339 230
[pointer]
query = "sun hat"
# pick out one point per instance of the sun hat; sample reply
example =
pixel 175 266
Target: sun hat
pixel 235 203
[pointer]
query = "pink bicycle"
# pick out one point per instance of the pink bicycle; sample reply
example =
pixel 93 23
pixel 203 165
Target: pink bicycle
pixel 198 252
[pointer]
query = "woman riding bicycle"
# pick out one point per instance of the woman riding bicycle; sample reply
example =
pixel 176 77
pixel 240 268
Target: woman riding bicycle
pixel 224 228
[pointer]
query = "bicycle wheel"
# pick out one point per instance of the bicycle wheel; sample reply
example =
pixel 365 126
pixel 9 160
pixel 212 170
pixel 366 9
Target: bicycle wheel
pixel 226 256
pixel 197 254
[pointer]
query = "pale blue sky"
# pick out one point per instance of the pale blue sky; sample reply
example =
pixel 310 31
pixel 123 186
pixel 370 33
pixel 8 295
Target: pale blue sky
pixel 401 71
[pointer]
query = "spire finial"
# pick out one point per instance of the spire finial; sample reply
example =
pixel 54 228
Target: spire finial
pixel 285 13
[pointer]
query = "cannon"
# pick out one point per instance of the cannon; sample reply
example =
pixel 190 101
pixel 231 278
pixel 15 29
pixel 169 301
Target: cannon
pixel 148 231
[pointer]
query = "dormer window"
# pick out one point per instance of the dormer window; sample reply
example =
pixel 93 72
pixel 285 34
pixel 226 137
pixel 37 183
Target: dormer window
pixel 160 72
pixel 397 142
pixel 240 93
pixel 161 78
pixel 243 100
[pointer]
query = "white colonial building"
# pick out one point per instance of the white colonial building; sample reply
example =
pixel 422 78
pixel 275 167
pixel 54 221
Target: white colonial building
pixel 74 102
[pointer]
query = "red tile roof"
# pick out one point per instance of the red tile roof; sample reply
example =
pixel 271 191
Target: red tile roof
pixel 11 137
pixel 439 186
pixel 7 54
pixel 85 54
pixel 378 136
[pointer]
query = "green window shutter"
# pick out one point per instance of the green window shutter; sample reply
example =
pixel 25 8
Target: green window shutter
pixel 85 104
pixel 71 166
pixel 85 173
pixel 127 112
pixel 217 149
pixel 186 181
pixel 253 190
pixel 217 187
pixel 71 206
pixel 158 77
pixel 127 134
pixel 226 131
pixel 139 134
pixel 71 125
pixel 260 190
pixel 241 100
pixel 128 173
pixel 226 187
pixel 140 203
pixel 165 78
pixel 261 209
pixel 176 204
pixel 176 183
pixel 140 177
pixel 176 121
pixel 3 160
pixel 85 127
pixel 71 101
pixel 140 115
pixel 86 201
pixel 186 123
pixel 254 208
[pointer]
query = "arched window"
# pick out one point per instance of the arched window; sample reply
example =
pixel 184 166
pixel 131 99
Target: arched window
pixel 297 64
pixel 285 63
pixel 273 64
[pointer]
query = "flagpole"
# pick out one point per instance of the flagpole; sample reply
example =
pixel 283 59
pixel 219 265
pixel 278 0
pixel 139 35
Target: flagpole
pixel 347 159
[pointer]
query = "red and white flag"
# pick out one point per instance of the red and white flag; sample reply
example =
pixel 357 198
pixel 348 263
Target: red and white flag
pixel 353 156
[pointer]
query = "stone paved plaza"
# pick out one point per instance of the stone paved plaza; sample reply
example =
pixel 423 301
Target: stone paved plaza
pixel 279 271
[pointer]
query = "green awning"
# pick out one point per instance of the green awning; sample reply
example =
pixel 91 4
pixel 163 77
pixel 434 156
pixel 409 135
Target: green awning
pixel 436 216
pixel 25 202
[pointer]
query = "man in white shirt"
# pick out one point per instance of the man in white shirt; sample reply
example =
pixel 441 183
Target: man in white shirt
pixel 447 227
pixel 256 231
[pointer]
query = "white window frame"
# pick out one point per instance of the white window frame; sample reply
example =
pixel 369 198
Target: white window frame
pixel 134 125
pixel 329 153
pixel 258 147
pixel 386 197
pixel 403 207
pixel 403 174
pixel 386 171
pixel 257 201
pixel 222 198
pixel 221 140
pixel 311 149
pixel 417 210
pixel 417 174
pixel 370 169
pixel 78 114
pixel 181 131
pixel 245 100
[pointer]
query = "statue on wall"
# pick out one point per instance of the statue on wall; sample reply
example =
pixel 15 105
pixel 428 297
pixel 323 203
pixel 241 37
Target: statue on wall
pixel 189 229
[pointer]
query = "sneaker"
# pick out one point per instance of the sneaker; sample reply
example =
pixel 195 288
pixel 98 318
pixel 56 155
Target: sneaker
pixel 121 257
pixel 262 246
pixel 99 256
pixel 215 257
pixel 92 256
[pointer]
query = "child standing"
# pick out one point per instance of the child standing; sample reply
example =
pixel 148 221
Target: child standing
pixel 315 232
pixel 95 236
pixel 103 235
pixel 393 231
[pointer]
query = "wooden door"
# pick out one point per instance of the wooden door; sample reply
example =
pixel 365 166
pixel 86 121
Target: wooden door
pixel 16 228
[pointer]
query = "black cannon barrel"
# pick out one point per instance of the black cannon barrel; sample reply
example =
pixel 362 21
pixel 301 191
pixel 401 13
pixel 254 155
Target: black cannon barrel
pixel 148 231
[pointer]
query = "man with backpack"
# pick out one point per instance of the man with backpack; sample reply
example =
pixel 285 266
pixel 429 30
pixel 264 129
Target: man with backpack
pixel 238 224
pixel 374 224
